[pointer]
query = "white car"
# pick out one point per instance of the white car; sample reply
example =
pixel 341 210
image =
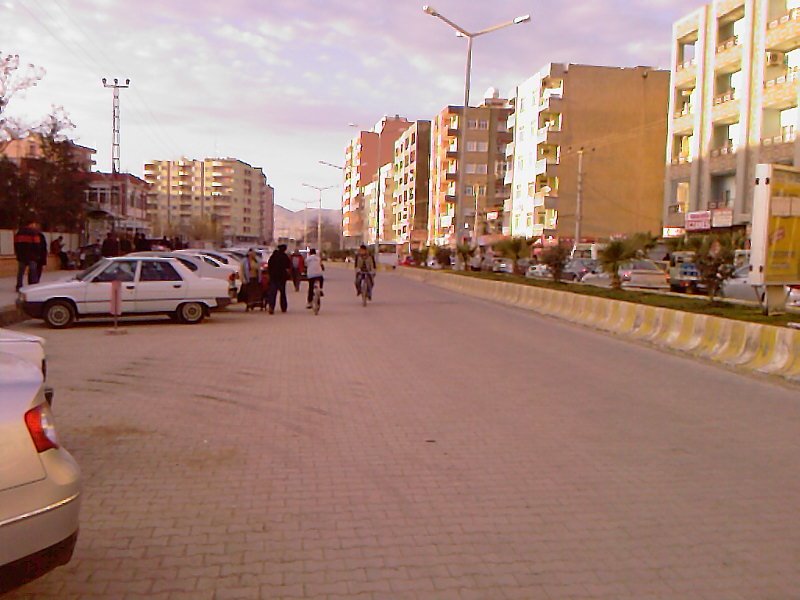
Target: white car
pixel 638 273
pixel 200 265
pixel 40 482
pixel 148 286
pixel 539 271
pixel 29 348
pixel 503 265
pixel 225 259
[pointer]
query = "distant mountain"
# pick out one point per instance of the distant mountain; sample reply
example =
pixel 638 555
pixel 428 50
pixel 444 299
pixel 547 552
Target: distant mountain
pixel 289 223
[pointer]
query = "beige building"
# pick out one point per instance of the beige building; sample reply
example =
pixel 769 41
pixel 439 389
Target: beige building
pixel 484 170
pixel 32 148
pixel 225 195
pixel 409 208
pixel 733 104
pixel 614 117
pixel 364 154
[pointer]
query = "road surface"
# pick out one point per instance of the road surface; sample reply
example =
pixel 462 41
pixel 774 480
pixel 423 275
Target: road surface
pixel 428 446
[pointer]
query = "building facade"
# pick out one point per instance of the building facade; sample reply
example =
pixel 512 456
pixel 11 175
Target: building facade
pixel 733 105
pixel 32 148
pixel 215 197
pixel 600 125
pixel 116 202
pixel 364 155
pixel 409 209
pixel 483 188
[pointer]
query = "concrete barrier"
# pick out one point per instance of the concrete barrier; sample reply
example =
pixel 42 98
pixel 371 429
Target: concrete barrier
pixel 747 346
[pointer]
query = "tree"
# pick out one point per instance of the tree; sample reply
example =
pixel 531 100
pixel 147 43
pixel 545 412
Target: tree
pixel 14 78
pixel 465 252
pixel 443 255
pixel 330 235
pixel 643 243
pixel 420 256
pixel 556 258
pixel 205 228
pixel 514 248
pixel 613 256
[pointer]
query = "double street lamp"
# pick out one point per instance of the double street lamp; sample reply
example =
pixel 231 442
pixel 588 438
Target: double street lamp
pixel 319 214
pixel 461 32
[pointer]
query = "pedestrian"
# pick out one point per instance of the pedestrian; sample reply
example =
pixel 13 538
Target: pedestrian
pixel 57 249
pixel 314 273
pixel 251 281
pixel 30 249
pixel 125 245
pixel 298 266
pixel 279 268
pixel 110 245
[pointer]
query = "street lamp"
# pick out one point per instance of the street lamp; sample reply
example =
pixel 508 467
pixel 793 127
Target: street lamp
pixel 341 205
pixel 461 32
pixel 319 215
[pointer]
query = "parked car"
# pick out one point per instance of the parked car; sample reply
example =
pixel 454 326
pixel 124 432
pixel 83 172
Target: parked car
pixel 408 261
pixel 27 347
pixel 639 273
pixel 222 257
pixel 738 288
pixel 503 265
pixel 539 271
pixel 149 285
pixel 40 482
pixel 683 273
pixel 202 266
pixel 577 268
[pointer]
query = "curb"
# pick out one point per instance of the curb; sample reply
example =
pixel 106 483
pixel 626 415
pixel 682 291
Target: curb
pixel 763 349
pixel 10 315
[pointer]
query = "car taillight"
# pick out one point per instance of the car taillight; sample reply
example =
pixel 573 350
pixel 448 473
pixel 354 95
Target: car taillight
pixel 232 277
pixel 41 427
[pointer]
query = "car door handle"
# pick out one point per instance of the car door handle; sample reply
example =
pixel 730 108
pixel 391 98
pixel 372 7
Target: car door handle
pixel 177 285
pixel 130 287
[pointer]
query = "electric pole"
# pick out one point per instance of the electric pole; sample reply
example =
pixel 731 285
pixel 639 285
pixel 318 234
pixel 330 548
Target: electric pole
pixel 579 202
pixel 116 87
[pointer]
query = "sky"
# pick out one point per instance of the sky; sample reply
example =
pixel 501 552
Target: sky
pixel 278 83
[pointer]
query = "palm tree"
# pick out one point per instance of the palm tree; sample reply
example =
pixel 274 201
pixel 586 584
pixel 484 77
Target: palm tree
pixel 556 258
pixel 613 256
pixel 465 252
pixel 514 248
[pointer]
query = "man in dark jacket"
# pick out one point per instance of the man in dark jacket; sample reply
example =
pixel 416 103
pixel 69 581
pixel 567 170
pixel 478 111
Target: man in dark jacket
pixel 280 269
pixel 30 248
pixel 110 245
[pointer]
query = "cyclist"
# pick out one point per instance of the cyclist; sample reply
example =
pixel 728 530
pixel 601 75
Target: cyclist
pixel 365 267
pixel 314 274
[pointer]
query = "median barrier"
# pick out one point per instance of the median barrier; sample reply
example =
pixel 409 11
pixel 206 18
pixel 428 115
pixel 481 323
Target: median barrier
pixel 747 346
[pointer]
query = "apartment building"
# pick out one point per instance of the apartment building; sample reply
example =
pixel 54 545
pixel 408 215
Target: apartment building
pixel 378 196
pixel 116 201
pixel 229 194
pixel 602 125
pixel 733 105
pixel 363 156
pixel 32 148
pixel 409 208
pixel 486 137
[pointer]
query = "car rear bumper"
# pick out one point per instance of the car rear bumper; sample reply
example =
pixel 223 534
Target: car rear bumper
pixel 35 565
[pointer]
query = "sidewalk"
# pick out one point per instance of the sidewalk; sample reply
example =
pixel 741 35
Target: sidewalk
pixel 8 296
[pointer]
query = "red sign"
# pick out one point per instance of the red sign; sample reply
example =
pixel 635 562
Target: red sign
pixel 698 221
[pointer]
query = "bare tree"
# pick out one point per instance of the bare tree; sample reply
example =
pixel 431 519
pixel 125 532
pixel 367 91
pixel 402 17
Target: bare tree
pixel 14 78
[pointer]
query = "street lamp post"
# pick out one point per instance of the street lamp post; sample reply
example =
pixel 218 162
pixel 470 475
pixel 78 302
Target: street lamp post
pixel 341 207
pixel 461 32
pixel 319 214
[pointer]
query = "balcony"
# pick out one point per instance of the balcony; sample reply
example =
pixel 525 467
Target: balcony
pixel 508 179
pixel 685 74
pixel 452 151
pixel 683 120
pixel 547 166
pixel 509 150
pixel 552 103
pixel 726 108
pixel 549 134
pixel 729 55
pixel 783 34
pixel 728 148
pixel 781 92
pixel 786 136
pixel 682 159
pixel 512 121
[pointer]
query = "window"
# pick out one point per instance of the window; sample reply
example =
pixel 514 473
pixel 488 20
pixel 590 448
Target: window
pixel 471 168
pixel 472 146
pixel 483 146
pixel 117 271
pixel 484 125
pixel 158 271
pixel 472 124
pixel 188 264
pixel 482 170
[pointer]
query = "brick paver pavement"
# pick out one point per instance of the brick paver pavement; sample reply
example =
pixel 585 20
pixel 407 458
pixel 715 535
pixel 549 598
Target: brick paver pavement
pixel 429 446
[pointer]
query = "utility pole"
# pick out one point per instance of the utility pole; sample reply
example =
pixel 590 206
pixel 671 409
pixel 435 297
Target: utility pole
pixel 306 204
pixel 579 201
pixel 115 137
pixel 319 214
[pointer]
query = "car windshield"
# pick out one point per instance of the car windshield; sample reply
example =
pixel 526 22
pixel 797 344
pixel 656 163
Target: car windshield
pixel 86 273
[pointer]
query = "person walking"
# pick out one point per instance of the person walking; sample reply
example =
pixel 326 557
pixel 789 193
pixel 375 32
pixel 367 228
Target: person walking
pixel 57 249
pixel 125 245
pixel 279 268
pixel 251 280
pixel 30 249
pixel 298 266
pixel 314 273
pixel 110 245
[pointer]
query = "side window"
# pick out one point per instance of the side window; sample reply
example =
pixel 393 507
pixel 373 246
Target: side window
pixel 117 271
pixel 158 271
pixel 188 264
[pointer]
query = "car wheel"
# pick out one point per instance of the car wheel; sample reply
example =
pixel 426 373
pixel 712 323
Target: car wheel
pixel 59 314
pixel 191 313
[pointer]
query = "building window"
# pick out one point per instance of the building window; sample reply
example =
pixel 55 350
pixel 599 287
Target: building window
pixel 472 124
pixel 472 146
pixel 484 125
pixel 482 169
pixel 483 146
pixel 471 167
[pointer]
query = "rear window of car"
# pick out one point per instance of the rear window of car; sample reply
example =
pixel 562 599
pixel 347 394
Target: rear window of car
pixel 153 270
pixel 188 264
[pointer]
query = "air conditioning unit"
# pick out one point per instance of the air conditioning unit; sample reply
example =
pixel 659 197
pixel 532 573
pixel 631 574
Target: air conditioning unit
pixel 775 59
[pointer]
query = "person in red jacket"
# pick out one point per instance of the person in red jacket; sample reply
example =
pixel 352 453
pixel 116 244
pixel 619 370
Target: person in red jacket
pixel 30 248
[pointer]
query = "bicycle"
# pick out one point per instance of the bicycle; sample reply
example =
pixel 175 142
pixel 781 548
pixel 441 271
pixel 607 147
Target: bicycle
pixel 316 300
pixel 365 288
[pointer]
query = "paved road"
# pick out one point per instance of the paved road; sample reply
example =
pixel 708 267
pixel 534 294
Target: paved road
pixel 429 446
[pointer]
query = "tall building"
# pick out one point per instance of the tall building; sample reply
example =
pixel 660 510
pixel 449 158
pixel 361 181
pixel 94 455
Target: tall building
pixel 224 195
pixel 484 169
pixel 733 104
pixel 615 118
pixel 378 197
pixel 365 153
pixel 409 210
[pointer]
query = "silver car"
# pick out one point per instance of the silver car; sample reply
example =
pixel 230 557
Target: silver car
pixel 40 482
